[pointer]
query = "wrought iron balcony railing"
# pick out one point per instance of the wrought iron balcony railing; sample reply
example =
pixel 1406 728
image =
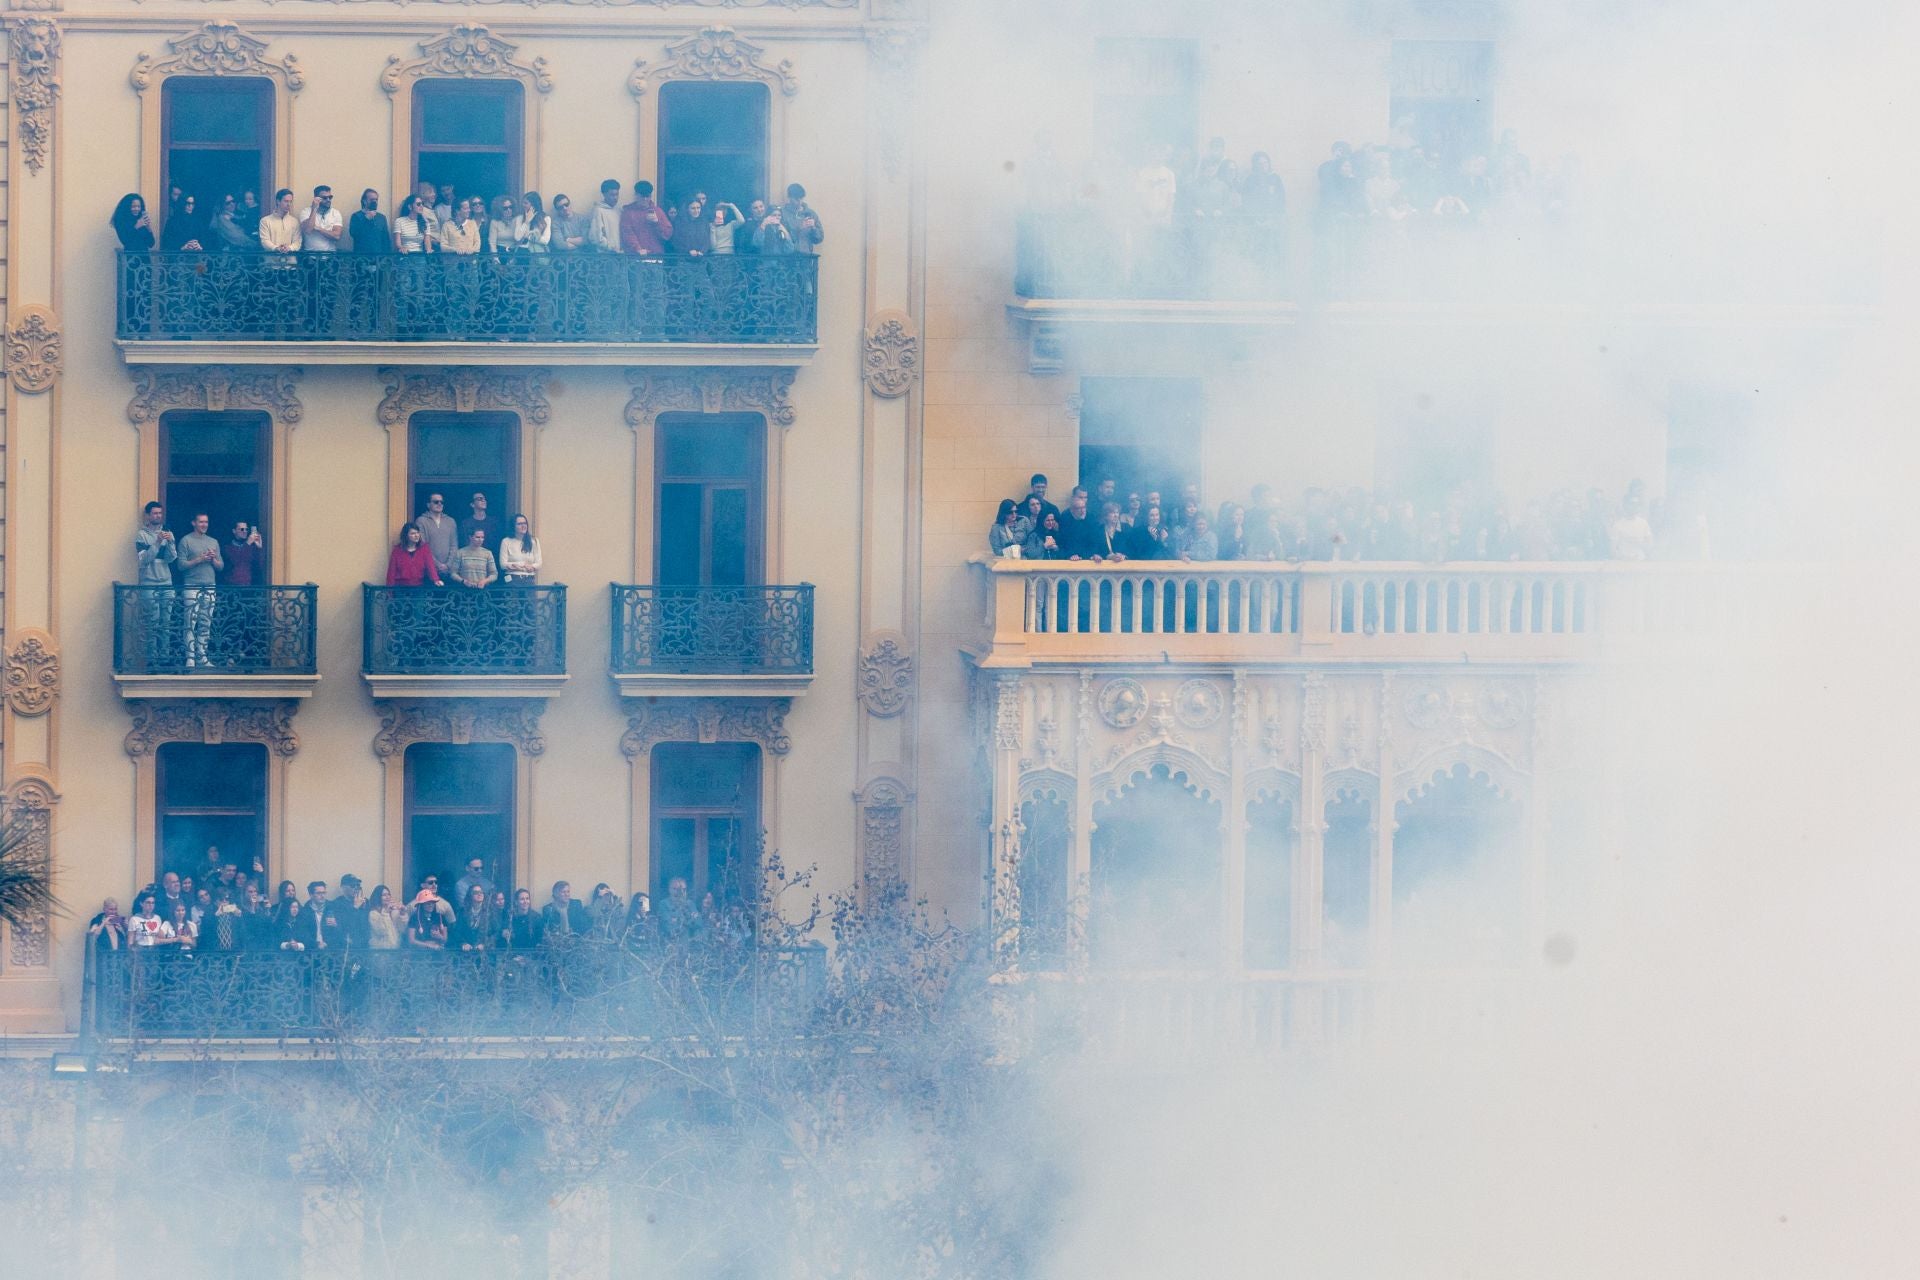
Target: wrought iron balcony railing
pixel 590 989
pixel 569 297
pixel 445 631
pixel 213 631
pixel 713 630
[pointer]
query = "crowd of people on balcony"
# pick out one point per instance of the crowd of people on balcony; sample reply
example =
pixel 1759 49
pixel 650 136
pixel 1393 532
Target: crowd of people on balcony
pixel 1351 524
pixel 229 908
pixel 438 219
pixel 475 552
pixel 1180 221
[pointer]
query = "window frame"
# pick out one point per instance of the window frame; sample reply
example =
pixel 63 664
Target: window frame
pixel 664 153
pixel 260 812
pixel 508 89
pixel 459 506
pixel 505 869
pixel 261 86
pixel 261 476
pixel 753 428
pixel 747 813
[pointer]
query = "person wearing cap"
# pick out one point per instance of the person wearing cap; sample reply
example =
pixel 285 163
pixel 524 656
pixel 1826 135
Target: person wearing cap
pixel 352 912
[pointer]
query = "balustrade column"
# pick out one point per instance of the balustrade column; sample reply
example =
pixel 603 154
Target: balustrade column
pixel 1080 847
pixel 1003 888
pixel 1235 897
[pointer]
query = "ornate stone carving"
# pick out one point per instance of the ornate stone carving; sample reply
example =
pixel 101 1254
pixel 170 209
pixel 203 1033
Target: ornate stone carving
pixel 1198 703
pixel 465 390
pixel 714 53
pixel 1122 703
pixel 883 831
pixel 212 721
pixel 1501 706
pixel 891 363
pixel 886 675
pixel 215 388
pixel 657 720
pixel 468 52
pixel 217 49
pixel 658 391
pixel 893 51
pixel 33 57
pixel 1007 726
pixel 34 350
pixel 1313 712
pixel 460 721
pixel 26 808
pixel 32 674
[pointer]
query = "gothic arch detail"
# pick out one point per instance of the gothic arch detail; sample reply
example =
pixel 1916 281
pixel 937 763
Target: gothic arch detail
pixel 1506 781
pixel 1200 777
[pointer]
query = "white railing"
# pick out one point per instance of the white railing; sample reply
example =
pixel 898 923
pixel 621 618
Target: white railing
pixel 1188 1017
pixel 1053 611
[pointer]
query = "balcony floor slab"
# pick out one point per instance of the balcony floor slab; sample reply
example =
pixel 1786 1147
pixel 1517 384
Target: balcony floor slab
pixel 678 685
pixel 610 354
pixel 466 686
pixel 216 686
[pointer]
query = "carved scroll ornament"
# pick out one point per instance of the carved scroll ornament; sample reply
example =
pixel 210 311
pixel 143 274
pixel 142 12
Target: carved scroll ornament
pixel 465 390
pixel 715 53
pixel 32 673
pixel 34 349
pixel 658 391
pixel 215 388
pixel 891 361
pixel 658 720
pixel 886 675
pixel 460 721
pixel 212 721
pixel 468 52
pixel 217 49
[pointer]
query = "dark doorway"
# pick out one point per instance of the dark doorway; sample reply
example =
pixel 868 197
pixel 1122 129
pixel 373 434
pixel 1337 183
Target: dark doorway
pixel 460 805
pixel 709 484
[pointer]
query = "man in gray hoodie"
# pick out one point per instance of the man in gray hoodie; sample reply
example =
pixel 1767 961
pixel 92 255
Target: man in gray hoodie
pixel 199 559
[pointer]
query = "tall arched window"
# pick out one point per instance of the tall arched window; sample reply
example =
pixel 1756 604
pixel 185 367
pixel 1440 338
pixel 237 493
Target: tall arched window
pixel 1157 875
pixel 1457 875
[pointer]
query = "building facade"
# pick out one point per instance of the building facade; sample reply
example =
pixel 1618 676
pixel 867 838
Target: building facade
pixel 761 485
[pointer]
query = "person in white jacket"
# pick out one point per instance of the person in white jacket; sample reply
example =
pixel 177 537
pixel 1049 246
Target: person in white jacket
pixel 520 554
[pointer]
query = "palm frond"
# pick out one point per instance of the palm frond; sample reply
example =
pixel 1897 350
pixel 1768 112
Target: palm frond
pixel 26 879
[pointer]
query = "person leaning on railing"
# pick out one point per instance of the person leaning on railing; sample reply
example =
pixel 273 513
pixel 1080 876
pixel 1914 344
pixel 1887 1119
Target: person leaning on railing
pixel 410 564
pixel 520 554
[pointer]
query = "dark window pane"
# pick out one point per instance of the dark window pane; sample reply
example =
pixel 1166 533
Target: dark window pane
pixel 673 854
pixel 219 445
pixel 227 776
pixel 707 777
pixel 448 776
pixel 460 115
pixel 711 447
pixel 475 446
pixel 680 534
pixel 730 538
pixel 1143 432
pixel 713 139
pixel 217 111
pixel 715 116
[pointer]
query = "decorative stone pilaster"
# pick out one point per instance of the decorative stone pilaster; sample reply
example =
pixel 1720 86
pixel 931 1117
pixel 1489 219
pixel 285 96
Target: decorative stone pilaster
pixel 26 810
pixel 33 58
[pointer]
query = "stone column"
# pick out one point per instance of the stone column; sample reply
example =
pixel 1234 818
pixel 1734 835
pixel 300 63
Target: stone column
pixel 30 997
pixel 890 464
pixel 1234 927
pixel 1003 888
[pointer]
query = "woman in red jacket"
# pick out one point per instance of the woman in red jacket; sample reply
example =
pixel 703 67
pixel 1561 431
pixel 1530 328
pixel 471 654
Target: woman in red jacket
pixel 410 564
